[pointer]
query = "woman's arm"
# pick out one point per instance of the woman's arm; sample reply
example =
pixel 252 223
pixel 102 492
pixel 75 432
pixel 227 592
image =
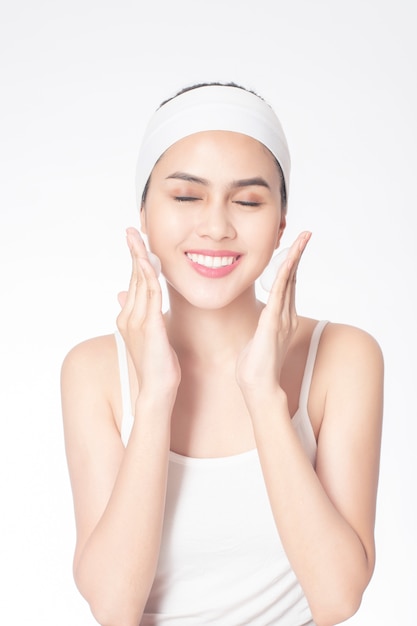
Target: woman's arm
pixel 324 515
pixel 325 518
pixel 119 494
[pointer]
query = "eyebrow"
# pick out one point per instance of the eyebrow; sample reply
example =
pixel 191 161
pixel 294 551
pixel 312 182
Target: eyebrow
pixel 190 178
pixel 250 182
pixel 243 182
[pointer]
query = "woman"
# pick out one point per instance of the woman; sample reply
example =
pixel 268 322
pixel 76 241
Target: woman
pixel 223 455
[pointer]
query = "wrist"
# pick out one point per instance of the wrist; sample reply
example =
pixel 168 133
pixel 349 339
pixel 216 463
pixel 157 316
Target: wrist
pixel 262 401
pixel 155 403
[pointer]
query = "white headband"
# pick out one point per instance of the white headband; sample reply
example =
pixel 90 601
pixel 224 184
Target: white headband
pixel 212 107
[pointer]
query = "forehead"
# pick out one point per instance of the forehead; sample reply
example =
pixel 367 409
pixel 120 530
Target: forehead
pixel 210 148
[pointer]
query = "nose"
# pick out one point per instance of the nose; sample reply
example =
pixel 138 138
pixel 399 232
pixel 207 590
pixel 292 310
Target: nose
pixel 215 222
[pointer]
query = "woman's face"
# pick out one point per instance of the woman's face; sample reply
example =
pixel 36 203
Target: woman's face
pixel 213 215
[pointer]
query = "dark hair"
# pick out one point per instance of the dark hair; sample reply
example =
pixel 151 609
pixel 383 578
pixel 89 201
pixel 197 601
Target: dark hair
pixel 214 84
pixel 218 84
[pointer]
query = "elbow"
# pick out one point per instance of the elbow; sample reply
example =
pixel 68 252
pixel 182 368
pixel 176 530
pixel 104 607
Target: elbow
pixel 106 617
pixel 109 612
pixel 341 597
pixel 107 606
pixel 335 611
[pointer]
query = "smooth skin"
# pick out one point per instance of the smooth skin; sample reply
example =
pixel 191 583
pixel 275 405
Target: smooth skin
pixel 219 374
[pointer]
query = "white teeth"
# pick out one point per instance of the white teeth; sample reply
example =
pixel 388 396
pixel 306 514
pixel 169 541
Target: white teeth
pixel 211 261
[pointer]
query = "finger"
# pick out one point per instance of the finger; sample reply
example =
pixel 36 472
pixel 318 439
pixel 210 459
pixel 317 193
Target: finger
pixel 128 302
pixel 300 245
pixel 140 252
pixel 121 298
pixel 297 249
pixel 282 295
pixel 136 242
pixel 144 295
pixel 153 288
pixel 134 277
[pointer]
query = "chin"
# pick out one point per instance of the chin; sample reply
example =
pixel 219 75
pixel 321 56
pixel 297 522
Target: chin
pixel 211 298
pixel 206 302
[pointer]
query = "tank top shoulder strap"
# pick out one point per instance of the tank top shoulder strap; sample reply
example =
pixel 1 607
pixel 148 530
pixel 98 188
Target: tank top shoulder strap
pixel 309 367
pixel 124 386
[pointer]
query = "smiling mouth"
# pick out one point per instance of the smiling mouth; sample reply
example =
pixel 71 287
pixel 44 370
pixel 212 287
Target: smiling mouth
pixel 212 262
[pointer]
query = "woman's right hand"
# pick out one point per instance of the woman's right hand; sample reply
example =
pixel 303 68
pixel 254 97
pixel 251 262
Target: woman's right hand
pixel 142 326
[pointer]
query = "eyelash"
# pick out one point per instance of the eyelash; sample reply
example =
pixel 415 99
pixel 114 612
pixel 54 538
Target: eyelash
pixel 186 198
pixel 249 204
pixel 194 199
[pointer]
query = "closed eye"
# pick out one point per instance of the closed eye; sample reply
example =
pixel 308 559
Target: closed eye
pixel 247 203
pixel 186 198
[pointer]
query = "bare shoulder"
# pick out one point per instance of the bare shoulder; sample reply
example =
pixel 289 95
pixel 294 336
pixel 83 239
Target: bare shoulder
pixel 339 344
pixel 344 346
pixel 89 376
pixel 92 356
pixel 350 371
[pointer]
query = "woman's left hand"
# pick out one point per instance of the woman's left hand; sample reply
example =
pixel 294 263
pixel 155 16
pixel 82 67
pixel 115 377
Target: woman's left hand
pixel 259 366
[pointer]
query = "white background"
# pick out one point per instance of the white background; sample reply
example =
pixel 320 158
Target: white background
pixel 78 82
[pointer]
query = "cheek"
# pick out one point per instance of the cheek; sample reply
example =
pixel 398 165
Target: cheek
pixel 163 232
pixel 264 236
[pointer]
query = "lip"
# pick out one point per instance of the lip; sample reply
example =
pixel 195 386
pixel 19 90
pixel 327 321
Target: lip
pixel 214 272
pixel 214 252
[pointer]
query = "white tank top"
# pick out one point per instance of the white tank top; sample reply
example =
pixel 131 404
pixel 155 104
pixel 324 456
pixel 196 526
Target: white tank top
pixel 221 560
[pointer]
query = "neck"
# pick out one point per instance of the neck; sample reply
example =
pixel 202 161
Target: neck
pixel 212 334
